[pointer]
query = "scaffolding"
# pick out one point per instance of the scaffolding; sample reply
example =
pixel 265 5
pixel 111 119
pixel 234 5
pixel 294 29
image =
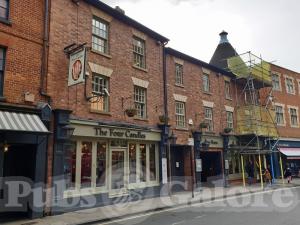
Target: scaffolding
pixel 256 127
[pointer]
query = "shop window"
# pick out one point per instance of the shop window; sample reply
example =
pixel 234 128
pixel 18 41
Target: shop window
pixel 208 113
pixel 180 114
pixel 100 35
pixel 178 74
pixel 143 165
pixel 152 162
pixel 132 163
pixel 2 65
pixel 70 165
pixel 86 164
pixel 140 101
pixel 101 164
pixel 139 52
pixel 99 84
pixel 206 83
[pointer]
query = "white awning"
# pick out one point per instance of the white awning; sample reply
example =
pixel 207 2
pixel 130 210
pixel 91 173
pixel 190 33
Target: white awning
pixel 290 152
pixel 11 121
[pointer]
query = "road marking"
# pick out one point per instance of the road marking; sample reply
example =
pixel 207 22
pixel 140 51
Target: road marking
pixel 178 222
pixel 199 217
pixel 193 205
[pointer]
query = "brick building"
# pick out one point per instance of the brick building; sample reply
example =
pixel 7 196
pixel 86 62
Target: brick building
pixel 24 112
pixel 111 152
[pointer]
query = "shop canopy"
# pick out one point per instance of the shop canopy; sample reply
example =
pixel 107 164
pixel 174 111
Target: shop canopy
pixel 21 122
pixel 290 152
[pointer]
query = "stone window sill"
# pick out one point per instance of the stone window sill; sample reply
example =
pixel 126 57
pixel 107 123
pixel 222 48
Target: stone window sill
pixel 140 68
pixel 207 93
pixel 229 98
pixel 100 112
pixel 179 85
pixel 141 119
pixel 101 53
pixel 182 128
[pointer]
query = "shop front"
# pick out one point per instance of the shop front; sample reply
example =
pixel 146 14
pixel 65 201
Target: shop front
pixel 23 147
pixel 105 162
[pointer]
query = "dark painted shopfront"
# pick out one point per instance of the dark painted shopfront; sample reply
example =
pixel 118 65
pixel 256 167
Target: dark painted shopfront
pixel 23 147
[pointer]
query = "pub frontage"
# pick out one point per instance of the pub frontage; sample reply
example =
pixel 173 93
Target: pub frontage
pixel 106 161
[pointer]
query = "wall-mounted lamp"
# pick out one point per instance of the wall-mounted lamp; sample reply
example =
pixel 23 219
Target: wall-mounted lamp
pixel 5 147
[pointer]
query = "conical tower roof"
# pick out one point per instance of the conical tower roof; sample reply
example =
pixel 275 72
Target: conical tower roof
pixel 223 51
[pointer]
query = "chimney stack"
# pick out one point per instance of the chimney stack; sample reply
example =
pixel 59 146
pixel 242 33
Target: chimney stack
pixel 119 9
pixel 223 37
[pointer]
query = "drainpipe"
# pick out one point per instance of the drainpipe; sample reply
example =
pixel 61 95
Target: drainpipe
pixel 165 81
pixel 44 67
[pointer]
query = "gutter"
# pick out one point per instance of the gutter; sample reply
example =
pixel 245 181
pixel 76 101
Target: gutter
pixel 44 67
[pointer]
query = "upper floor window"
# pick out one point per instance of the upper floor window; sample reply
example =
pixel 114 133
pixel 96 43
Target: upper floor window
pixel 276 82
pixel 2 64
pixel 279 117
pixel 140 101
pixel 180 114
pixel 289 85
pixel 100 35
pixel 294 117
pixel 229 119
pixel 99 84
pixel 178 74
pixel 139 52
pixel 208 116
pixel 206 84
pixel 4 8
pixel 227 90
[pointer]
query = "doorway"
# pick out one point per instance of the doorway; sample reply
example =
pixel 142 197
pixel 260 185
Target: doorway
pixel 117 171
pixel 212 166
pixel 19 161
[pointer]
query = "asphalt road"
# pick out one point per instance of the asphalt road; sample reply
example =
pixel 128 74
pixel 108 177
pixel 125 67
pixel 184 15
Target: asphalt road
pixel 280 207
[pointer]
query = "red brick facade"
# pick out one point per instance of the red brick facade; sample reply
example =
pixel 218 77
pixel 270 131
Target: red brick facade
pixel 22 37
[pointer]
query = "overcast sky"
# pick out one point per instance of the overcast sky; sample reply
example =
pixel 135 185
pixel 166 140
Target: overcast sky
pixel 270 28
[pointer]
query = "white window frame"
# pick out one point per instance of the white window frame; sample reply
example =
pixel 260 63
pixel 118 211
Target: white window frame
pixel 178 74
pixel 139 52
pixel 229 122
pixel 206 85
pixel 180 114
pixel 209 118
pixel 290 115
pixel 139 94
pixel 287 86
pixel 283 111
pixel 102 96
pixel 279 81
pixel 97 36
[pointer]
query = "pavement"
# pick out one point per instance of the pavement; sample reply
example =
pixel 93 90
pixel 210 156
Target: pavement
pixel 123 209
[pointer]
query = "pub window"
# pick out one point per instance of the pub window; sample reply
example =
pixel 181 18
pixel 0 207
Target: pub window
pixel 2 65
pixel 208 113
pixel 86 164
pixel 139 52
pixel 132 163
pixel 178 74
pixel 99 84
pixel 143 164
pixel 70 165
pixel 206 83
pixel 4 9
pixel 100 35
pixel 180 114
pixel 152 162
pixel 101 164
pixel 140 101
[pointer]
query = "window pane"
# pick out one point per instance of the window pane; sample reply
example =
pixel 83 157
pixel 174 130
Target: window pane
pixel 101 164
pixel 143 165
pixel 139 52
pixel 140 101
pixel 152 161
pixel 99 84
pixel 4 9
pixel 132 163
pixel 180 114
pixel 86 164
pixel 70 165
